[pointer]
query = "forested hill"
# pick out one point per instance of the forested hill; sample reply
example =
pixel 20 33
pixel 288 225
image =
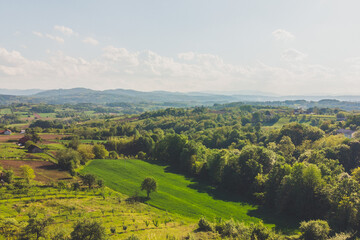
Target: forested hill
pixel 173 99
pixel 83 95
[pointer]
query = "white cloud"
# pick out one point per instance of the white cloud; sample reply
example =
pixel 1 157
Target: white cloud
pixel 283 35
pixel 147 70
pixel 293 55
pixel 55 38
pixel 38 34
pixel 49 36
pixel 65 30
pixel 91 41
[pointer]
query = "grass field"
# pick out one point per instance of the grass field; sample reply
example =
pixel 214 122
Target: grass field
pixel 5 111
pixel 178 194
pixel 66 207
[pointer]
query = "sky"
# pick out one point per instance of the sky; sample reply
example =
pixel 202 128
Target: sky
pixel 285 47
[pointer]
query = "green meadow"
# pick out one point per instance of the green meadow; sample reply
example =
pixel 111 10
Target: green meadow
pixel 179 195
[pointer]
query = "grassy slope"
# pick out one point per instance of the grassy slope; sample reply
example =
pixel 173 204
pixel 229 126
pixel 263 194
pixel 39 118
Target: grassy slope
pixel 67 207
pixel 176 194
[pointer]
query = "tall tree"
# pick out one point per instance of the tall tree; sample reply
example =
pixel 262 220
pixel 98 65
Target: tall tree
pixel 149 185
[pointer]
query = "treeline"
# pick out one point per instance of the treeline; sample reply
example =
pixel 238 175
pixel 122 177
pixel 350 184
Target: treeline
pixel 297 169
pixel 310 183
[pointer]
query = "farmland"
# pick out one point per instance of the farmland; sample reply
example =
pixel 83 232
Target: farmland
pixel 67 207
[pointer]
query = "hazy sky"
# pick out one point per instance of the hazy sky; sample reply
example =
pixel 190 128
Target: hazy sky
pixel 279 46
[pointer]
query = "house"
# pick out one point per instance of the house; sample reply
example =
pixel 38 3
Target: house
pixel 348 133
pixel 5 132
pixel 34 149
pixel 23 140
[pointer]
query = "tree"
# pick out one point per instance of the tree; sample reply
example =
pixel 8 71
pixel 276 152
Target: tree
pixel 27 173
pixel 113 155
pixel 315 230
pixel 356 174
pixel 68 159
pixel 10 228
pixel 149 185
pixel 89 179
pixel 36 226
pixel 100 151
pixel 86 152
pixel 74 143
pixel 286 146
pixel 7 176
pixel 88 230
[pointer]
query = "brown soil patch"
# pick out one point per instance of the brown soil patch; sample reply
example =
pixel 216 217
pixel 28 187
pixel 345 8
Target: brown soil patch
pixel 47 138
pixel 51 138
pixel 44 171
pixel 6 138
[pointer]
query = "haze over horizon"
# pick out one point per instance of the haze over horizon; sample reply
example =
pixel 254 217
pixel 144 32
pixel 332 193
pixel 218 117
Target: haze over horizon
pixel 284 47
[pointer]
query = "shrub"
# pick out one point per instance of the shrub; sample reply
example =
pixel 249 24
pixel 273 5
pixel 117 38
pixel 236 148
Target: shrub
pixel 204 225
pixel 315 230
pixel 8 176
pixel 133 237
pixel 86 152
pixel 260 232
pixel 229 229
pixel 156 222
pixel 100 152
pixel 341 236
pixel 147 223
pixel 113 155
pixel 68 159
pixel 88 230
pixel 76 186
pixel 233 229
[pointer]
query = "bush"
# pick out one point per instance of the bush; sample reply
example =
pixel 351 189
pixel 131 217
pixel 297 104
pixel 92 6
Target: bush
pixel 113 155
pixel 204 225
pixel 229 229
pixel 133 237
pixel 86 152
pixel 88 230
pixel 232 229
pixel 68 159
pixel 76 186
pixel 315 230
pixel 100 152
pixel 341 236
pixel 8 176
pixel 260 232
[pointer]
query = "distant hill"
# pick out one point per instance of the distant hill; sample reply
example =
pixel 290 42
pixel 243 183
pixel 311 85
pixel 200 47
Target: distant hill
pixel 85 95
pixel 19 92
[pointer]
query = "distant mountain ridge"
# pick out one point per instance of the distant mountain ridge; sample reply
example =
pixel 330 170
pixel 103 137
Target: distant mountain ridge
pixel 85 95
pixel 19 92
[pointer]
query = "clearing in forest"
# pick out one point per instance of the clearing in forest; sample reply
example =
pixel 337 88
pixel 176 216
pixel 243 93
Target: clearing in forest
pixel 177 194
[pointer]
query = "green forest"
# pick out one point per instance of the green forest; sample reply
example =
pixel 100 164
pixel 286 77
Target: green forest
pixel 227 171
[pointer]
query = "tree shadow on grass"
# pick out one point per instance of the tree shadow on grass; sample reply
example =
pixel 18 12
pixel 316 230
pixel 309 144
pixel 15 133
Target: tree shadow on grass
pixel 285 224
